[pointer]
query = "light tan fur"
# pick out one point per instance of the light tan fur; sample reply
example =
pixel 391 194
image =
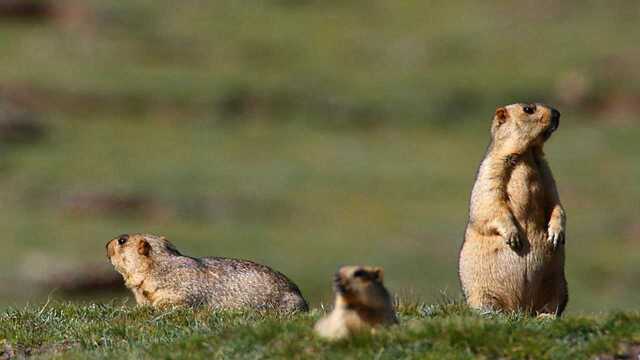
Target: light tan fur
pixel 512 258
pixel 362 303
pixel 158 275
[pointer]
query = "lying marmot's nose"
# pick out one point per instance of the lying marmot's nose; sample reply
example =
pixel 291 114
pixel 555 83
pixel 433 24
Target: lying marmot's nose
pixel 110 251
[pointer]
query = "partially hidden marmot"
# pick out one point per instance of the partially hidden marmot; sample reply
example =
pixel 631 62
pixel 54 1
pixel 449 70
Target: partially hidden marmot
pixel 159 275
pixel 512 258
pixel 361 303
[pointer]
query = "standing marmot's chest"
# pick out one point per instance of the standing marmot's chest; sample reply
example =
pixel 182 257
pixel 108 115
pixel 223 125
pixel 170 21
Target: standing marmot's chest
pixel 526 192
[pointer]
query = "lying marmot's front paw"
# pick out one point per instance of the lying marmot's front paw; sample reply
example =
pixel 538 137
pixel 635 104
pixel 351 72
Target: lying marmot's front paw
pixel 556 236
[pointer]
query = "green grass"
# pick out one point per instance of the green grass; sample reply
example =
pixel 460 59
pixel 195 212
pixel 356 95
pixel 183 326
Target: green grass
pixel 426 332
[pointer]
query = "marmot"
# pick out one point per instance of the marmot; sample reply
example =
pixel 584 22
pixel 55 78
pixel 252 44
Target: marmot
pixel 361 303
pixel 159 275
pixel 512 258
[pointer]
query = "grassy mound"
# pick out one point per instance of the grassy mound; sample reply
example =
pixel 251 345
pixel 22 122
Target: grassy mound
pixel 432 332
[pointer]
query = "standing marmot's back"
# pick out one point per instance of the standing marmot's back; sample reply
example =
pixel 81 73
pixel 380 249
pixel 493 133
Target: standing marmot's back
pixel 159 275
pixel 512 257
pixel 361 303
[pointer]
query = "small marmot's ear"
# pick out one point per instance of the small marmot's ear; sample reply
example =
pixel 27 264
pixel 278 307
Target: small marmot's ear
pixel 501 115
pixel 144 248
pixel 379 273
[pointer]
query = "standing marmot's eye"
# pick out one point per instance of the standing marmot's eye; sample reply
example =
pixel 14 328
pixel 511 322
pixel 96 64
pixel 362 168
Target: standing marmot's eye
pixel 123 239
pixel 360 273
pixel 529 109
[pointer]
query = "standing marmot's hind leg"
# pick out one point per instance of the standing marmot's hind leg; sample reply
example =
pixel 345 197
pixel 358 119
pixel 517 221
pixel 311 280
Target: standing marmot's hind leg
pixel 555 301
pixel 486 302
pixel 565 298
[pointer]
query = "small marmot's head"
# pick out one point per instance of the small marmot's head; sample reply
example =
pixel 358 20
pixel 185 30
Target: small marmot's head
pixel 361 286
pixel 133 253
pixel 520 126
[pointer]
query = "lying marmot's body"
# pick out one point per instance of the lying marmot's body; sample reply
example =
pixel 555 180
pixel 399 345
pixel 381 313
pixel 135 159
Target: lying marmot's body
pixel 362 303
pixel 159 275
pixel 512 258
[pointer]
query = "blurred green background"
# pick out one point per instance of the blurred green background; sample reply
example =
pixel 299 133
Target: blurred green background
pixel 306 134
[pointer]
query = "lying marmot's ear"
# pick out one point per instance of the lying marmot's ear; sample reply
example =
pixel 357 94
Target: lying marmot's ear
pixel 379 273
pixel 501 116
pixel 144 248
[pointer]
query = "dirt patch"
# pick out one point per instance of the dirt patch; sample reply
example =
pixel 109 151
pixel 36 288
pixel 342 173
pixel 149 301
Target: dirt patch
pixel 632 233
pixel 244 208
pixel 47 274
pixel 111 204
pixel 231 107
pixel 625 351
pixel 6 350
pixel 18 125
pixel 85 280
pixel 9 352
pixel 602 88
pixel 26 9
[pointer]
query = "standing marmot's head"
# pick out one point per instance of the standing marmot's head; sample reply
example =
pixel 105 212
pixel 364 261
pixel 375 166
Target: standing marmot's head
pixel 519 126
pixel 361 286
pixel 134 253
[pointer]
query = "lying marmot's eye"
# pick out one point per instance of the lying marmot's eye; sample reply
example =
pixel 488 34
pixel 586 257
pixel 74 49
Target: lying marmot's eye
pixel 123 239
pixel 529 109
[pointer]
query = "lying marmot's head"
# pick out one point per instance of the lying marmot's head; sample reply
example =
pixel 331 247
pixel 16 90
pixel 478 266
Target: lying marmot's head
pixel 133 253
pixel 361 286
pixel 517 127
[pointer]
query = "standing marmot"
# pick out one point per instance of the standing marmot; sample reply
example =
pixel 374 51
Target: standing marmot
pixel 159 275
pixel 361 303
pixel 512 258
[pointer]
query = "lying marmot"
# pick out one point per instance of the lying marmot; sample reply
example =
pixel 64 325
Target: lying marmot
pixel 159 275
pixel 361 303
pixel 512 258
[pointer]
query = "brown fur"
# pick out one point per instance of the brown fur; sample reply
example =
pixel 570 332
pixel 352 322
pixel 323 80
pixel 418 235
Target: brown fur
pixel 512 258
pixel 159 275
pixel 362 303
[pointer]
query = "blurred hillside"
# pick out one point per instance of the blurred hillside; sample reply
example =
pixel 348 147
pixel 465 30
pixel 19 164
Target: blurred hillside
pixel 306 134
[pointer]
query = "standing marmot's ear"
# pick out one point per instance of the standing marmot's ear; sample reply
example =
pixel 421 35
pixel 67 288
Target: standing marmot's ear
pixel 144 248
pixel 379 272
pixel 501 115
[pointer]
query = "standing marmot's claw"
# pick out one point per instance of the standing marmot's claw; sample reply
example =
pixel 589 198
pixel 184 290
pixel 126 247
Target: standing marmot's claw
pixel 513 241
pixel 556 238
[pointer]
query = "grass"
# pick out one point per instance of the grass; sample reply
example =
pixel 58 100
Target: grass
pixel 428 332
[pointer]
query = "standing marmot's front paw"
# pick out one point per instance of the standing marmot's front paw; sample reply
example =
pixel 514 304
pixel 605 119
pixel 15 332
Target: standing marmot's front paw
pixel 556 235
pixel 512 238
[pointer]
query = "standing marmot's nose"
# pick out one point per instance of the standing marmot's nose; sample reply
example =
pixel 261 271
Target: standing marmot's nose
pixel 555 119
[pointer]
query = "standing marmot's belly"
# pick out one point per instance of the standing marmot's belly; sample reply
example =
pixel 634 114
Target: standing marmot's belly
pixel 527 204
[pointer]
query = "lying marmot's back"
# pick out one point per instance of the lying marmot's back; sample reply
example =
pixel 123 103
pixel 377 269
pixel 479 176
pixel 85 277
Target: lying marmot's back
pixel 159 275
pixel 260 285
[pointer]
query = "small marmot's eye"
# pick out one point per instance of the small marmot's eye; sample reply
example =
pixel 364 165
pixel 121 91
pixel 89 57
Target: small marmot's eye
pixel 123 239
pixel 360 273
pixel 529 109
